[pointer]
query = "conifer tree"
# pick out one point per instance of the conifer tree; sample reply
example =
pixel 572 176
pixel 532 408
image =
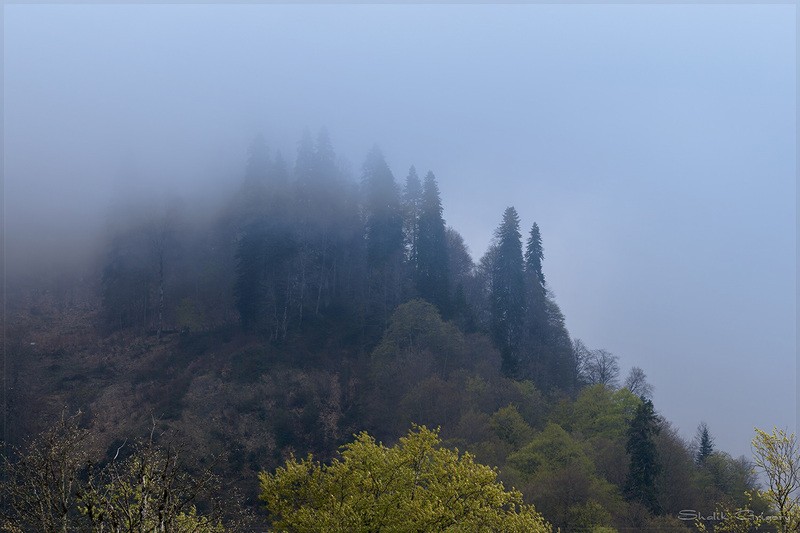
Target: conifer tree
pixel 644 464
pixel 705 443
pixel 534 254
pixel 412 204
pixel 508 291
pixel 384 231
pixel 432 261
pixel 537 319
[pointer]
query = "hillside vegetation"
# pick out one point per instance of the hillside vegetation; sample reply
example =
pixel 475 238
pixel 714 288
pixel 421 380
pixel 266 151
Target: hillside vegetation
pixel 312 306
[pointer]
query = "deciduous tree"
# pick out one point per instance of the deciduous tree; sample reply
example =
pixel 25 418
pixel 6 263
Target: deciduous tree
pixel 416 485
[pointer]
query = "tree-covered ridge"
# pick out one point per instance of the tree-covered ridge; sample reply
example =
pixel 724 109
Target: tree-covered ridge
pixel 313 305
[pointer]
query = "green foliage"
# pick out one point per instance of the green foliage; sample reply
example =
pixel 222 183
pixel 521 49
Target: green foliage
pixel 733 520
pixel 510 427
pixel 40 489
pixel 589 516
pixel 147 492
pixel 728 476
pixel 777 455
pixel 554 472
pixel 600 412
pixel 553 448
pixel 415 485
pixel 417 325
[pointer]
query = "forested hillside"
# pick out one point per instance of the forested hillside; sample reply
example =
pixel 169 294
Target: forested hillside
pixel 310 305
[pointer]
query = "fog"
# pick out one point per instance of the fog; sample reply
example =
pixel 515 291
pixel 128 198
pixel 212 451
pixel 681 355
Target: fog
pixel 655 146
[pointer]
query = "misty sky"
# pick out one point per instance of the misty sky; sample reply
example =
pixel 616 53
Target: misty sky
pixel 654 145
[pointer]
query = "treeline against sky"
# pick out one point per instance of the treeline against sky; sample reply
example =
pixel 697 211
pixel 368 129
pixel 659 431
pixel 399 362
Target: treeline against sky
pixel 305 242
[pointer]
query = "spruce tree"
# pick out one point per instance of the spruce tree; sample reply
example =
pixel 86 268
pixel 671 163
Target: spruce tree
pixel 705 443
pixel 382 206
pixel 508 291
pixel 536 292
pixel 412 204
pixel 644 464
pixel 384 233
pixel 540 361
pixel 534 254
pixel 432 261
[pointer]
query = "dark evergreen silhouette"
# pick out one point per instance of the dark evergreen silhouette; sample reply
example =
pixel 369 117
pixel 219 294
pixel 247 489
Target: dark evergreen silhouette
pixel 645 467
pixel 412 205
pixel 432 261
pixel 461 273
pixel 384 234
pixel 534 255
pixel 705 443
pixel 508 291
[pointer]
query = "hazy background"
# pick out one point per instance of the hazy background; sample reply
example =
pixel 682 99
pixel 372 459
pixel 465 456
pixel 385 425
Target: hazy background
pixel 654 145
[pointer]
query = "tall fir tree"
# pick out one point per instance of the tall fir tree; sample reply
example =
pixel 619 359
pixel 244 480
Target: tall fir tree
pixel 534 255
pixel 508 291
pixel 432 261
pixel 645 467
pixel 705 443
pixel 384 233
pixel 536 292
pixel 412 205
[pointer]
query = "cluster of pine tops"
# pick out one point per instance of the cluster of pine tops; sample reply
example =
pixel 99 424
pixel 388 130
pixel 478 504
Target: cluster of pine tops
pixel 314 305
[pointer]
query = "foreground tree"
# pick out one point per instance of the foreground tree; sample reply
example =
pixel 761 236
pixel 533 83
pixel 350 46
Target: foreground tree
pixel 777 455
pixel 53 485
pixel 149 491
pixel 415 485
pixel 40 487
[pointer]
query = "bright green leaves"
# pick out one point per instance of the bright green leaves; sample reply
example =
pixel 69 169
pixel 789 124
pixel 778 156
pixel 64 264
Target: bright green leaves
pixel 415 485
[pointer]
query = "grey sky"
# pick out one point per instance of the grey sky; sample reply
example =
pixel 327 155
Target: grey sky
pixel 654 145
